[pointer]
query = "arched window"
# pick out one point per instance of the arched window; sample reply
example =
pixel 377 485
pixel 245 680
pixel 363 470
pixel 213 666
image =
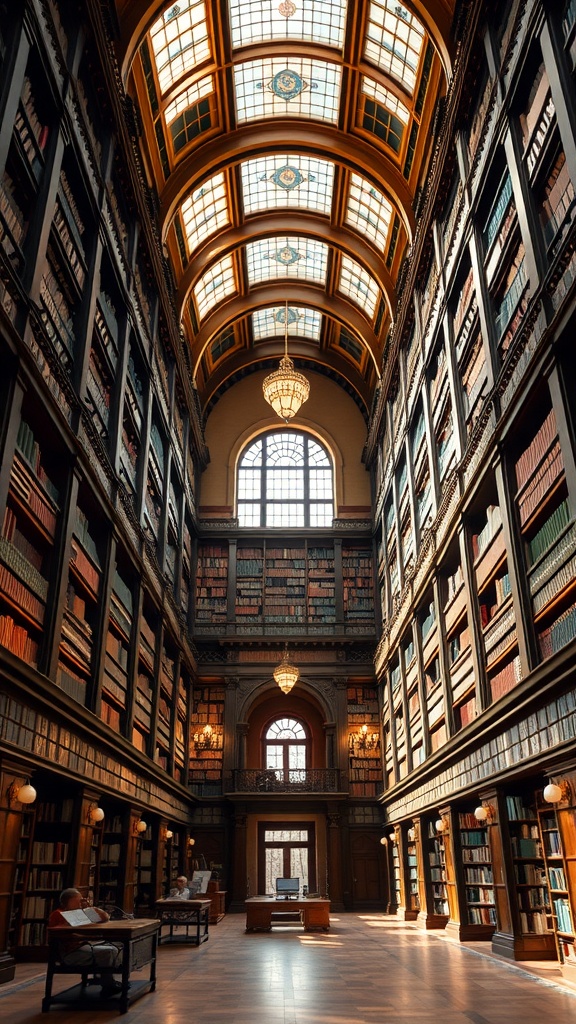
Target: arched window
pixel 286 750
pixel 285 479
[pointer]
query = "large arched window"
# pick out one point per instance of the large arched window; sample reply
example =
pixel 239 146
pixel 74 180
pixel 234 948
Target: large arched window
pixel 286 749
pixel 285 479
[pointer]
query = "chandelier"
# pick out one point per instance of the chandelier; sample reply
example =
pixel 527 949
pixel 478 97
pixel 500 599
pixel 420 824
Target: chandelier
pixel 286 389
pixel 285 674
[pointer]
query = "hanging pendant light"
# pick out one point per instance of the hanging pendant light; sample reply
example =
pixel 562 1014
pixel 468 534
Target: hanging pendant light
pixel 286 674
pixel 286 389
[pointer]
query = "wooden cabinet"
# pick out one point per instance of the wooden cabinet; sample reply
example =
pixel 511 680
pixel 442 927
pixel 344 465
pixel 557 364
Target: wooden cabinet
pixel 217 905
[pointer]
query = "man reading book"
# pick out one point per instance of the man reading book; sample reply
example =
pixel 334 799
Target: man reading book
pixel 73 910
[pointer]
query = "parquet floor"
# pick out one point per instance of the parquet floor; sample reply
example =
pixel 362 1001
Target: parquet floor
pixel 368 969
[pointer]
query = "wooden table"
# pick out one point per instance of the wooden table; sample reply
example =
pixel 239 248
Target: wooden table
pixel 260 911
pixel 139 940
pixel 184 913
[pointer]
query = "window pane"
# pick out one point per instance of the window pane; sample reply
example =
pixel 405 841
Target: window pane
pixel 249 483
pixel 285 515
pixel 274 756
pixel 318 21
pixel 321 515
pixel 321 484
pixel 282 484
pixel 249 515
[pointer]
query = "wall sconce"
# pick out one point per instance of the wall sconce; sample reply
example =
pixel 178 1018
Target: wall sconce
pixel 485 813
pixel 383 841
pixel 140 827
pixel 554 792
pixel 442 825
pixel 207 739
pixel 168 834
pixel 411 834
pixel 392 837
pixel 364 740
pixel 95 815
pixel 25 794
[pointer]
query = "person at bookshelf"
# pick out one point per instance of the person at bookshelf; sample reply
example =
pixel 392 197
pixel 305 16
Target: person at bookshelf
pixel 78 950
pixel 181 890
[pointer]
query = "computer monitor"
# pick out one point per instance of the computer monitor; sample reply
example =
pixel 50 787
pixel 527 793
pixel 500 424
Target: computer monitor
pixel 287 887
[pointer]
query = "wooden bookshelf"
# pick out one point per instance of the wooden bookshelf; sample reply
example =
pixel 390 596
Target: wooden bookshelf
pixel 249 601
pixel 21 876
pixel 285 583
pixel 434 911
pixel 211 583
pixel 530 899
pixel 477 879
pixel 81 612
pixel 321 584
pixel 112 860
pixel 51 859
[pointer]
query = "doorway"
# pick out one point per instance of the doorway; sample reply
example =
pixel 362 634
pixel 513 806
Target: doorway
pixel 286 850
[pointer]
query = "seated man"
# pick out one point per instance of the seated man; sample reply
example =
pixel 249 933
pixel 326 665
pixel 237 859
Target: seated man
pixel 181 890
pixel 79 950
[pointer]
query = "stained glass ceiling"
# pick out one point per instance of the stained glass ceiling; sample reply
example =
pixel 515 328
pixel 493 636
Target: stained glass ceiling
pixel 286 139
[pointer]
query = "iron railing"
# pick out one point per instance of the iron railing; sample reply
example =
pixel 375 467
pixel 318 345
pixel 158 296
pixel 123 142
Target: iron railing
pixel 293 780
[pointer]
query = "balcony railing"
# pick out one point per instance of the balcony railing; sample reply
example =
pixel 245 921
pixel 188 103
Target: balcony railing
pixel 294 780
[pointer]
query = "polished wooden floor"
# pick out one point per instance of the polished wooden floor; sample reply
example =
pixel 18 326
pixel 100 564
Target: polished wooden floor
pixel 368 969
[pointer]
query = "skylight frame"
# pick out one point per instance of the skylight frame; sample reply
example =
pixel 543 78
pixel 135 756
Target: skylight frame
pixel 217 283
pixel 386 99
pixel 368 210
pixel 179 41
pixel 258 21
pixel 303 322
pixel 296 257
pixel 188 97
pixel 358 285
pixel 272 181
pixel 205 211
pixel 394 41
pixel 278 87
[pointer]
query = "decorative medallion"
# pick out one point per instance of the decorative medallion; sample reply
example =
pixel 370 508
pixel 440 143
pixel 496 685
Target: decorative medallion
pixel 287 177
pixel 287 8
pixel 287 85
pixel 286 256
pixel 280 315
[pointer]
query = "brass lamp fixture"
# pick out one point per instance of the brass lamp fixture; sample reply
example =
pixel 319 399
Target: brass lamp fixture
pixel 95 815
pixel 485 812
pixel 286 674
pixel 363 739
pixel 206 739
pixel 286 389
pixel 140 827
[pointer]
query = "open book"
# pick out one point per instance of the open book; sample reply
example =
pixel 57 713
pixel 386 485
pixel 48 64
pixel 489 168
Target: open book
pixel 77 917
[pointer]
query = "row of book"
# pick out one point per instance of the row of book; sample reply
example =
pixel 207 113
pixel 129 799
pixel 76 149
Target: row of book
pixel 563 917
pixel 548 533
pixel 530 874
pixel 557 878
pixel 49 853
pixel 506 678
pixel 21 595
pixel 479 894
pixel 559 633
pixel 534 923
pixel 16 639
pixel 482 915
pixel 482 875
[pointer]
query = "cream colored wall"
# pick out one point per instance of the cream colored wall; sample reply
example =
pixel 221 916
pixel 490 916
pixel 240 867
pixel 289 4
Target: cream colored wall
pixel 330 414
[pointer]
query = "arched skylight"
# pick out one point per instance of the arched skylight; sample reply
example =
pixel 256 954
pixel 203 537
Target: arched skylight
pixel 302 322
pixel 358 285
pixel 215 285
pixel 287 87
pixel 179 41
pixel 369 211
pixel 394 40
pixel 205 211
pixel 186 99
pixel 287 256
pixel 317 21
pixel 287 180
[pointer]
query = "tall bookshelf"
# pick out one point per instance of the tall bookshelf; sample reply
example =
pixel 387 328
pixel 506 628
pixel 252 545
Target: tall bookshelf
pixel 434 910
pixel 112 861
pixel 357 582
pixel 412 888
pixel 531 907
pixel 27 542
pixel 560 909
pixel 115 681
pixel 478 878
pixel 285 583
pixel 548 532
pixel 82 609
pixel 21 878
pixel 51 852
pixel 211 583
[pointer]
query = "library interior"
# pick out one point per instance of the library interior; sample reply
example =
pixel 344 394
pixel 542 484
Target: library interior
pixel 288 463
